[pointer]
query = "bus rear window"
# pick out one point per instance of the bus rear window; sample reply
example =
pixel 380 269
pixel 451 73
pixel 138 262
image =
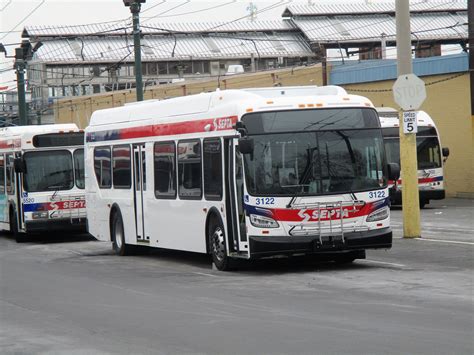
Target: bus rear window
pixel 58 139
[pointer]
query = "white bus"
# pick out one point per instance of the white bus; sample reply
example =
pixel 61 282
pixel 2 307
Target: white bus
pixel 42 179
pixel 431 156
pixel 241 174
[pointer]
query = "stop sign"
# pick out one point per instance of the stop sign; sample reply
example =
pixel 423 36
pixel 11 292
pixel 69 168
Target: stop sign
pixel 409 92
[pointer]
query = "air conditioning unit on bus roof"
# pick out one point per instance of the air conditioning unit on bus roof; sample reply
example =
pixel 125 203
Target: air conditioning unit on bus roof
pixel 290 91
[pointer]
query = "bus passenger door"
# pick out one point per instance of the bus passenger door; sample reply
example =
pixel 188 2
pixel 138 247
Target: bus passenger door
pixel 237 240
pixel 139 186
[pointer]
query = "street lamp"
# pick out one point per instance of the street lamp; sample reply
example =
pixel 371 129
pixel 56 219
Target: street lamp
pixel 22 55
pixel 135 6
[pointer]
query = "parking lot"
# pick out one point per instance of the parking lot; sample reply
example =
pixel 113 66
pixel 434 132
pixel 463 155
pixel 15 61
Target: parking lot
pixel 72 295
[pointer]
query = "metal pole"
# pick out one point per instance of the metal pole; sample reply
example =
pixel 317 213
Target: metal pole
pixel 384 46
pixel 324 65
pixel 135 10
pixel 20 81
pixel 408 154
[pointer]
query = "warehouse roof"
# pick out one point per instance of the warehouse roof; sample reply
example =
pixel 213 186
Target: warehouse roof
pixel 359 24
pixel 174 47
pixel 118 28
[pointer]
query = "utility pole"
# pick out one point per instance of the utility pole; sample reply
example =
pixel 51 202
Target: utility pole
pixel 20 66
pixel 408 153
pixel 135 6
pixel 383 45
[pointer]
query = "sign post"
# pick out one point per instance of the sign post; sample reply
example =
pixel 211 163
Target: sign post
pixel 409 93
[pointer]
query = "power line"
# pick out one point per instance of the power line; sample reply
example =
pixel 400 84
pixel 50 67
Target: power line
pixel 197 11
pixel 165 12
pixel 25 18
pixel 6 5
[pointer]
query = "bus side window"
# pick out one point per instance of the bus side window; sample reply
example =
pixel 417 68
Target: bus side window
pixel 102 166
pixel 165 170
pixel 212 159
pixel 189 170
pixel 122 169
pixel 9 174
pixel 2 174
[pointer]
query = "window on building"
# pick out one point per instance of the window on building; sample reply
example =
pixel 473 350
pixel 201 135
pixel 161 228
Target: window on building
pixel 165 170
pixel 102 167
pixel 96 88
pixel 122 168
pixel 212 162
pixel 162 68
pixel 189 170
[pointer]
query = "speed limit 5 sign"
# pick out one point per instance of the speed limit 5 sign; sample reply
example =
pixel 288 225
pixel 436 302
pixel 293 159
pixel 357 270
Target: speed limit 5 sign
pixel 409 122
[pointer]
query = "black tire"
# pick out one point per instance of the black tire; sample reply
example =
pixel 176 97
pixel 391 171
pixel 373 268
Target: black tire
pixel 19 236
pixel 218 248
pixel 118 236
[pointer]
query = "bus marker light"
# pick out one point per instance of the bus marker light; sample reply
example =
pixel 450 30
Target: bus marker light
pixel 249 109
pixel 368 104
pixel 265 232
pixel 310 105
pixel 319 105
pixel 269 102
pixel 346 98
pixel 204 210
pixel 301 105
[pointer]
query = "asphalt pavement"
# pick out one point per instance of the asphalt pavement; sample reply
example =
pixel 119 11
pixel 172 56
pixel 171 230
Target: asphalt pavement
pixel 71 295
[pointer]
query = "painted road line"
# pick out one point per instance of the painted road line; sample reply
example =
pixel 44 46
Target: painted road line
pixel 204 274
pixel 444 241
pixel 381 262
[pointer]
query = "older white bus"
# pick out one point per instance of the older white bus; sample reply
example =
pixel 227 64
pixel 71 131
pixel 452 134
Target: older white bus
pixel 241 174
pixel 42 179
pixel 431 156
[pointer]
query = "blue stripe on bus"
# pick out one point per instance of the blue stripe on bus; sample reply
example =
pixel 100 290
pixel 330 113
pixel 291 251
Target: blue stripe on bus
pixel 33 207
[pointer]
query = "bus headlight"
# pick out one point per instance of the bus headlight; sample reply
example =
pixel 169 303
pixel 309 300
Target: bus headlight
pixel 378 215
pixel 263 222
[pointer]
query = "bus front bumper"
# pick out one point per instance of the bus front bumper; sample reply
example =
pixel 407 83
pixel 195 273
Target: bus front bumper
pixel 266 246
pixel 78 225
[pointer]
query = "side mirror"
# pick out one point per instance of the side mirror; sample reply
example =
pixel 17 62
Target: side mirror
pixel 445 152
pixel 19 165
pixel 393 171
pixel 246 145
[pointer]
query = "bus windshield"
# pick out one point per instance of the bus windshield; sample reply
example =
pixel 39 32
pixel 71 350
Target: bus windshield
pixel 48 171
pixel 313 163
pixel 428 151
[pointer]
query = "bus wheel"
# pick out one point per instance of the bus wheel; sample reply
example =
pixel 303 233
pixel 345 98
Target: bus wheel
pixel 118 236
pixel 218 248
pixel 19 237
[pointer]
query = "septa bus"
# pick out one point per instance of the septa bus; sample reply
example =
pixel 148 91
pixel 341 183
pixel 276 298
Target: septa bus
pixel 42 179
pixel 431 156
pixel 241 174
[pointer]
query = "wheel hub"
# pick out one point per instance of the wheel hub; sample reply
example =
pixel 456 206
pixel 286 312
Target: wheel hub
pixel 218 247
